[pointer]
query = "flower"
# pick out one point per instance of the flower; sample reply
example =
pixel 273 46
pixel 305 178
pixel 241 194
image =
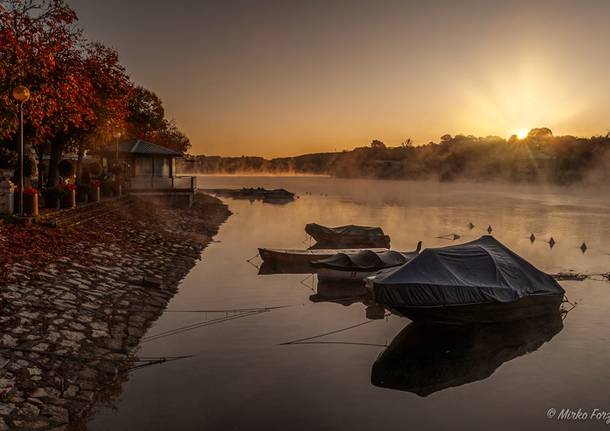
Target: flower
pixel 70 187
pixel 30 191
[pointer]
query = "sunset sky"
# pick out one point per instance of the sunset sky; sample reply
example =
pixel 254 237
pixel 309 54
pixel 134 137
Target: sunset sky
pixel 278 78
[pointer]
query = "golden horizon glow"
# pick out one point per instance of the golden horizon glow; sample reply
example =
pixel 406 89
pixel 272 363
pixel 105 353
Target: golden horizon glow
pixel 292 80
pixel 522 133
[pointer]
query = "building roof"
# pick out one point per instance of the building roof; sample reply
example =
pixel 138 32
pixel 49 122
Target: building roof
pixel 140 147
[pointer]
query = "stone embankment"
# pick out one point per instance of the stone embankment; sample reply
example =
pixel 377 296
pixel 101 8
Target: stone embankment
pixel 76 300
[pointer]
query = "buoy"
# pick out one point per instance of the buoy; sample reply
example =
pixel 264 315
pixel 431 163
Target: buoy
pixel 583 247
pixel 470 225
pixel 551 242
pixel 489 229
pixel 532 238
pixel 455 236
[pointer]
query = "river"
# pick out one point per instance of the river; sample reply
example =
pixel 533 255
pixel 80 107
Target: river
pixel 241 375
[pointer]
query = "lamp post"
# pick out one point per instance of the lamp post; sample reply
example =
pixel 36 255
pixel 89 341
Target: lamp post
pixel 21 94
pixel 117 136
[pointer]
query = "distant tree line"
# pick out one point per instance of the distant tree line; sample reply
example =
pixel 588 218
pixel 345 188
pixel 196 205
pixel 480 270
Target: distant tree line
pixel 81 96
pixel 539 157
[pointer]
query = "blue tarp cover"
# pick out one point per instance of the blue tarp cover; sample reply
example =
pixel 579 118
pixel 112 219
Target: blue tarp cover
pixel 479 271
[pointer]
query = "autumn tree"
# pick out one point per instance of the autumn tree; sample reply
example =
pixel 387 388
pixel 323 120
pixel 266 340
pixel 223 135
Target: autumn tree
pixel 110 90
pixel 79 89
pixel 146 120
pixel 41 50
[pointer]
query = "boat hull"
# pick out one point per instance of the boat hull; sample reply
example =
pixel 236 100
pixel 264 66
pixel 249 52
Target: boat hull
pixel 489 312
pixel 341 275
pixel 302 257
pixel 355 241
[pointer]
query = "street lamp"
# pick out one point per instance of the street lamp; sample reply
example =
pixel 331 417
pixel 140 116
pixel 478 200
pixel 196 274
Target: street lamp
pixel 21 94
pixel 117 136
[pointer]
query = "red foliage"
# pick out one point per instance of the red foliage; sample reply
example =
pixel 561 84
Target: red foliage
pixel 30 191
pixel 78 89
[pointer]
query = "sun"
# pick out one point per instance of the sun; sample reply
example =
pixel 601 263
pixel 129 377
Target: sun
pixel 521 133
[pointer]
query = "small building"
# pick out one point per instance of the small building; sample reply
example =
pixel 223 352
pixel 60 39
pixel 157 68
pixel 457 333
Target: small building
pixel 150 170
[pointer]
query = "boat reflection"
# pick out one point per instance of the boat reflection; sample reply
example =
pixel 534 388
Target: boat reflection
pixel 344 293
pixel 425 358
pixel 347 293
pixel 267 268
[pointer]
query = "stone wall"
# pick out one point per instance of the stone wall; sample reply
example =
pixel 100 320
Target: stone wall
pixel 6 197
pixel 71 319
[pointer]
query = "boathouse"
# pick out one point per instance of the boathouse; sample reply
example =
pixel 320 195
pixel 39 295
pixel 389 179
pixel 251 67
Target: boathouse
pixel 150 170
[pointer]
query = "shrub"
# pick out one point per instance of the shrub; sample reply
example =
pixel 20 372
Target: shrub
pixel 95 169
pixel 85 177
pixel 65 168
pixel 82 192
pixel 52 194
pixel 117 170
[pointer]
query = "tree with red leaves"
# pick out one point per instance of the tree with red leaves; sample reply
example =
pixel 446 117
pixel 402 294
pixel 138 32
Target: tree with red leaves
pixel 81 94
pixel 110 94
pixel 41 49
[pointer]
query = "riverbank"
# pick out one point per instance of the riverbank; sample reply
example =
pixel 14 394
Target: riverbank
pixel 76 300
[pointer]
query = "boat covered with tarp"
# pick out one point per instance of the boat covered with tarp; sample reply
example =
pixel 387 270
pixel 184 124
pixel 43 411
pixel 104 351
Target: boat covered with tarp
pixel 361 264
pixel 290 257
pixel 349 235
pixel 479 281
pixel 366 260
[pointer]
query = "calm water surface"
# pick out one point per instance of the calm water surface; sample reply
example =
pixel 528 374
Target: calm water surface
pixel 242 377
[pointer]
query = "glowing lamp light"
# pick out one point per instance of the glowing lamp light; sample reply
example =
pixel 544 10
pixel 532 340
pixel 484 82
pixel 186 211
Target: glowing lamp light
pixel 21 93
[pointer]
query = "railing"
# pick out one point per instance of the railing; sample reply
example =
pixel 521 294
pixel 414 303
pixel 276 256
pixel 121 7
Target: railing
pixel 145 183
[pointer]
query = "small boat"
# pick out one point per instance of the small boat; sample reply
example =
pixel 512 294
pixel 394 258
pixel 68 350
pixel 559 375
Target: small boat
pixel 288 257
pixel 364 263
pixel 348 236
pixel 426 358
pixel 258 193
pixel 481 281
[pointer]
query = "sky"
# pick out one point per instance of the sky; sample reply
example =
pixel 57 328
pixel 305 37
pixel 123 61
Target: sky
pixel 280 78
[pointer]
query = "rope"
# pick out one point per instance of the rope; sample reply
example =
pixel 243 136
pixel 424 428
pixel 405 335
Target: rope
pixel 327 333
pixel 198 325
pixel 234 310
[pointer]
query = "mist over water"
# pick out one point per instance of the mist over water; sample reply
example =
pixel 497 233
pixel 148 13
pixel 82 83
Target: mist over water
pixel 241 377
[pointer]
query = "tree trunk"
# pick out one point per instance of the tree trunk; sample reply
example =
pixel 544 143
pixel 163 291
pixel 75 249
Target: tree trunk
pixel 79 162
pixel 57 149
pixel 39 155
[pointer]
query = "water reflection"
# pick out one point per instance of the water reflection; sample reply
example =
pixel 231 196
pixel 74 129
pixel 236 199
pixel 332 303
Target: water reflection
pixel 338 366
pixel 344 293
pixel 267 268
pixel 425 358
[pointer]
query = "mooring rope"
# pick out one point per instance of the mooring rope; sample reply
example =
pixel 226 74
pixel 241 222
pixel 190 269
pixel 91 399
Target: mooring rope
pixel 336 331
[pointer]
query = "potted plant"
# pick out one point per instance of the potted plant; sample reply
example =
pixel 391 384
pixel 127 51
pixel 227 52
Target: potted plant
pixel 69 198
pixel 30 201
pixel 94 191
